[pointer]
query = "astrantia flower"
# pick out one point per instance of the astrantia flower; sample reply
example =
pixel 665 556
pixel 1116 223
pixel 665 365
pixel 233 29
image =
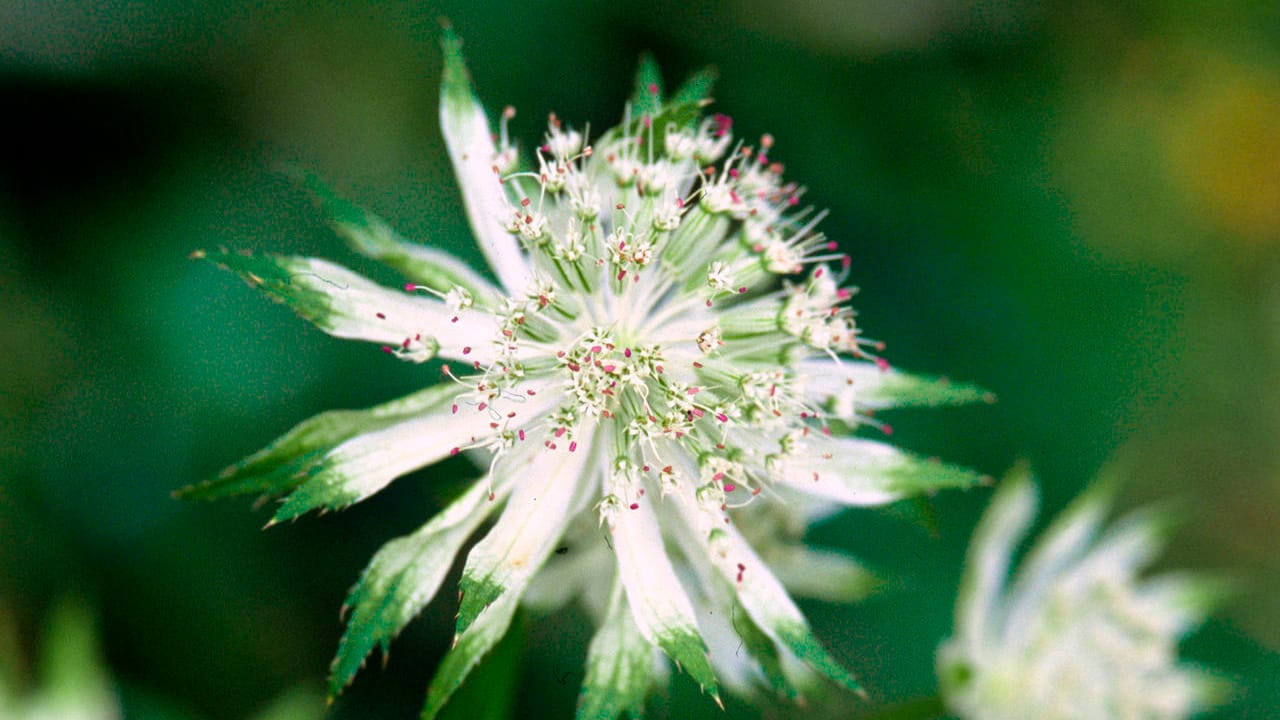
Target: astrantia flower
pixel 661 386
pixel 1077 634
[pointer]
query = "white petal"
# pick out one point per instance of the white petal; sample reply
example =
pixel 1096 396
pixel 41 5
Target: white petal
pixel 847 386
pixel 1059 548
pixel 761 594
pixel 661 607
pixel 578 570
pixel 363 310
pixel 1003 525
pixel 365 464
pixel 403 577
pixel 466 132
pixel 620 666
pixel 526 533
pixel 864 472
pixel 347 305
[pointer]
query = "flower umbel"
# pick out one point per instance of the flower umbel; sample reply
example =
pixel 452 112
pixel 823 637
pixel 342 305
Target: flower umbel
pixel 662 385
pixel 1077 634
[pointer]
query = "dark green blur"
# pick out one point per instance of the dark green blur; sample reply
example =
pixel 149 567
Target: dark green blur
pixel 1073 204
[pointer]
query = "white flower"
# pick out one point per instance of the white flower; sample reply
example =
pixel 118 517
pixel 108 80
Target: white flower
pixel 667 355
pixel 1077 634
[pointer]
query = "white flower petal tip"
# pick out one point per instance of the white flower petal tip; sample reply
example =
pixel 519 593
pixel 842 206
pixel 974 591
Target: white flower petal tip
pixel 1077 632
pixel 479 165
pixel 846 387
pixel 665 359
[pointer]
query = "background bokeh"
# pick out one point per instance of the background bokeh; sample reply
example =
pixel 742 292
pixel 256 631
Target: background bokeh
pixel 1074 204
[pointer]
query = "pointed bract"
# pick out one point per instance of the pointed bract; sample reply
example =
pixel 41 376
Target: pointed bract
pixel 619 666
pixel 402 578
pixel 469 648
pixel 536 515
pixel 479 171
pixel 696 88
pixel 860 472
pixel 365 464
pixel 658 601
pixel 841 387
pixel 346 305
pixel 286 462
pixel 759 592
pixel 646 99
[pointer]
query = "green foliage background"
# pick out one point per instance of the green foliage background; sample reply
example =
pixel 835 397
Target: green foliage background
pixel 1074 204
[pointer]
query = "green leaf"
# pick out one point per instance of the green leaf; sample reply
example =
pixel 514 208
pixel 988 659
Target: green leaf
pixel 402 579
pixel 286 462
pixel 646 99
pixel 619 666
pixel 372 237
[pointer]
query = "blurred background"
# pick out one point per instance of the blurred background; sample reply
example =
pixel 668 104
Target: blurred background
pixel 1073 204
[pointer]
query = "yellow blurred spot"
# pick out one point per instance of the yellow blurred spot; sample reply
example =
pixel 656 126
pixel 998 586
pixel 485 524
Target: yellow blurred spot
pixel 1223 149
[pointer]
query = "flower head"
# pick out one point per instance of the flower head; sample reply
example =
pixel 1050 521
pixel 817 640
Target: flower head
pixel 661 386
pixel 1077 634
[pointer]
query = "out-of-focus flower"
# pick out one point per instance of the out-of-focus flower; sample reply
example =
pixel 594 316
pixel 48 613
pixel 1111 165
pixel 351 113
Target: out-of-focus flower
pixel 668 354
pixel 1076 633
